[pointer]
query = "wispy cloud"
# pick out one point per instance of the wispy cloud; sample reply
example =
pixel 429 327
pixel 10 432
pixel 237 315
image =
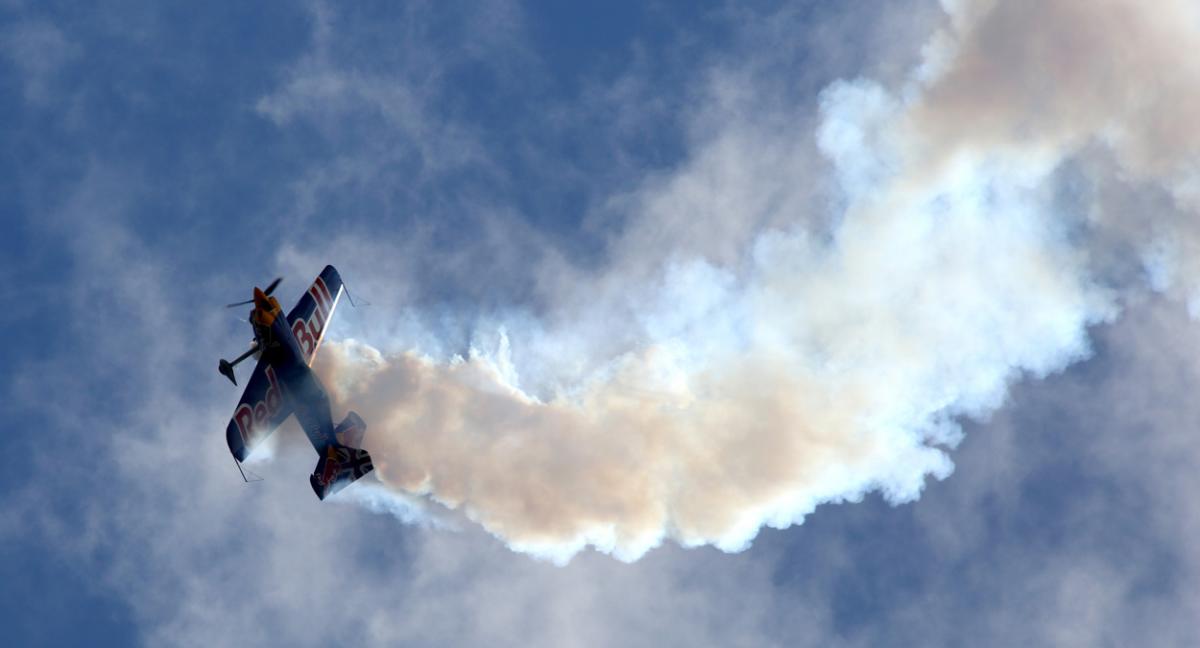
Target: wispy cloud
pixel 38 50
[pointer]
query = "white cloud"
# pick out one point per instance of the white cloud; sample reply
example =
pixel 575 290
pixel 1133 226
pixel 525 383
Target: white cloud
pixel 38 50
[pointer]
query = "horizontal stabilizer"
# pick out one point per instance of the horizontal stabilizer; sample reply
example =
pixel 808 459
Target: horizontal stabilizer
pixel 338 468
pixel 343 462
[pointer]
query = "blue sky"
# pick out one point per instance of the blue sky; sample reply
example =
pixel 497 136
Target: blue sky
pixel 665 217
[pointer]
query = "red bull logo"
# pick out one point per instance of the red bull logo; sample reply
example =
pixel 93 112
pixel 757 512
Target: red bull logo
pixel 334 460
pixel 308 332
pixel 332 468
pixel 249 418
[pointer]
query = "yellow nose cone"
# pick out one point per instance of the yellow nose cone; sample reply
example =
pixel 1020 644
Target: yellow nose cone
pixel 264 307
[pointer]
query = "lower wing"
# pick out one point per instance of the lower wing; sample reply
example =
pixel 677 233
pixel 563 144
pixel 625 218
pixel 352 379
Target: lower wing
pixel 261 410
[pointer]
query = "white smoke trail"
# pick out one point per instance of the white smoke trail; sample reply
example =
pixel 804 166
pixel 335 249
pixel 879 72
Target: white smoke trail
pixel 700 400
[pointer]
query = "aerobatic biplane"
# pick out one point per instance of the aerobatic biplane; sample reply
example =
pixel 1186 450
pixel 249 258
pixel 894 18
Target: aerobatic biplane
pixel 283 384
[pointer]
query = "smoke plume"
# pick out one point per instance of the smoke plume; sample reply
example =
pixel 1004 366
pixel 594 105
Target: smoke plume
pixel 1028 178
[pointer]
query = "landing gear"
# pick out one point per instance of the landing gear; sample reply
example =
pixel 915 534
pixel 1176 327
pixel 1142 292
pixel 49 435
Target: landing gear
pixel 226 367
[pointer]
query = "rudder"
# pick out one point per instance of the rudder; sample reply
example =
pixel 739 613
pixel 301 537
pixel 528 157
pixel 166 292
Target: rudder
pixel 351 430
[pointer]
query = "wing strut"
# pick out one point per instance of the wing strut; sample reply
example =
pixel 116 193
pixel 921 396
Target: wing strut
pixel 243 471
pixel 364 302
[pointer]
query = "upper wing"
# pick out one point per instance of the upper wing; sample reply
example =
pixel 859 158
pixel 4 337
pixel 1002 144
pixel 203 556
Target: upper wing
pixel 310 315
pixel 260 411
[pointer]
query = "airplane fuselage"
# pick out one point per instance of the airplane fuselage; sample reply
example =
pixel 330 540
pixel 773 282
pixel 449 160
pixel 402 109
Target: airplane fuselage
pixel 283 385
pixel 301 388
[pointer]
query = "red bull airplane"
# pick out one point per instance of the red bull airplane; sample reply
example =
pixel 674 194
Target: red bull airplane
pixel 284 384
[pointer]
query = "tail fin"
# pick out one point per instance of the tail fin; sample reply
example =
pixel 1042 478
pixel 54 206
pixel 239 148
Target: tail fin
pixel 351 430
pixel 342 463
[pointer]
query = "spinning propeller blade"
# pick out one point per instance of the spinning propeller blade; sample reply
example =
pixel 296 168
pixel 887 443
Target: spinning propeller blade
pixel 270 288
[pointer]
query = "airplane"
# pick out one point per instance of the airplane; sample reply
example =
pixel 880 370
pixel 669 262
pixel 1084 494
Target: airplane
pixel 283 384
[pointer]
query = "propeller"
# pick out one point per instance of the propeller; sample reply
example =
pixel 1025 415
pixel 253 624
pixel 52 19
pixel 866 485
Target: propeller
pixel 270 288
